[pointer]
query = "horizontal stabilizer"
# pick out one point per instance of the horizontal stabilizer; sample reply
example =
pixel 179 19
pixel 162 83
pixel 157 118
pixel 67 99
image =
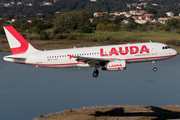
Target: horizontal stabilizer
pixel 14 58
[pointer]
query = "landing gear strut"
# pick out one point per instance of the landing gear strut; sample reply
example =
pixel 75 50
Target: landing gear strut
pixel 95 73
pixel 154 68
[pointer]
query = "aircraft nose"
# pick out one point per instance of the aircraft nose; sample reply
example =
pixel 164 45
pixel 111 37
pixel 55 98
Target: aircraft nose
pixel 174 52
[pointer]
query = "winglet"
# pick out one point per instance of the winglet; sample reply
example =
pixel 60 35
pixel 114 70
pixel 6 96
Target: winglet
pixel 17 42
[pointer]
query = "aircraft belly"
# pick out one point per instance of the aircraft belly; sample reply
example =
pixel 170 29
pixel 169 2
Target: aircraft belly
pixel 147 59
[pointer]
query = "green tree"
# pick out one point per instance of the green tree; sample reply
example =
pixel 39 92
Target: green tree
pixel 105 20
pixel 34 30
pixel 85 29
pixel 117 21
pixel 108 27
pixel 173 23
pixel 131 26
pixel 44 35
pixel 26 26
pixel 60 30
pixel 72 20
pixel 152 11
pixel 1 30
pixel 36 21
pixel 95 22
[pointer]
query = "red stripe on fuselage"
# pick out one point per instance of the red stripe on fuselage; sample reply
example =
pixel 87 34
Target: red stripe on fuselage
pixel 48 65
pixel 69 64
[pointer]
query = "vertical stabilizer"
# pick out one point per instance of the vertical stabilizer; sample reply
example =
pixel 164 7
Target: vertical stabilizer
pixel 17 42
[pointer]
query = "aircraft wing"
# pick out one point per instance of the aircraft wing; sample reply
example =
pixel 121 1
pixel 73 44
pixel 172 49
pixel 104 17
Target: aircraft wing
pixel 92 59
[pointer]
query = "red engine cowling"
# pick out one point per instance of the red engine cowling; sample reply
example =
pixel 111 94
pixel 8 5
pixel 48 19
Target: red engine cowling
pixel 115 66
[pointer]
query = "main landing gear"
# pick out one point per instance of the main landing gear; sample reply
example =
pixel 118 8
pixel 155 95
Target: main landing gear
pixel 154 68
pixel 95 73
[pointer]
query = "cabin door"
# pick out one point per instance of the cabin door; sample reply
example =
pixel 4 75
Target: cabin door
pixel 154 50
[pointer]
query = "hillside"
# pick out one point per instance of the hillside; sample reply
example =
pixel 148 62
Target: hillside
pixel 33 7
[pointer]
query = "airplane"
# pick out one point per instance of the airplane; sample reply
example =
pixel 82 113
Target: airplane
pixel 109 58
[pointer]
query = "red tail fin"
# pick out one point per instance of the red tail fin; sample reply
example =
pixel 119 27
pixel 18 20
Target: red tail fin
pixel 17 42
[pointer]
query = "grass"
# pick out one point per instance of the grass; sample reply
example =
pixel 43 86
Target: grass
pixel 2 36
pixel 98 38
pixel 126 36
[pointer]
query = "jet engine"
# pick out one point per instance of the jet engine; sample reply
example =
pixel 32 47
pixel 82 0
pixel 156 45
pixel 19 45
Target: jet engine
pixel 115 65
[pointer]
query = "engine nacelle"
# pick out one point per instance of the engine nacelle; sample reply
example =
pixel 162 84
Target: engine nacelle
pixel 115 66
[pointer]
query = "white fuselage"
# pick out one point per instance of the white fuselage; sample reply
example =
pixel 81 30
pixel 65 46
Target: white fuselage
pixel 140 52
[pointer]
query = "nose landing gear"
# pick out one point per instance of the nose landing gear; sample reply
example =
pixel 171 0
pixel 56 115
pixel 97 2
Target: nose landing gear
pixel 154 64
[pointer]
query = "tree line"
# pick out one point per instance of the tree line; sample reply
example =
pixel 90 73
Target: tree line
pixel 48 12
pixel 78 22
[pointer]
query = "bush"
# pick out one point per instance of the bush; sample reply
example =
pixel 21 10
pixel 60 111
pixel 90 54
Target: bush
pixel 59 36
pixel 32 36
pixel 85 29
pixel 131 26
pixel 4 41
pixel 167 29
pixel 177 31
pixel 2 31
pixel 34 30
pixel 60 30
pixel 44 35
pixel 173 42
pixel 41 116
pixel 107 27
pixel 65 35
pixel 71 37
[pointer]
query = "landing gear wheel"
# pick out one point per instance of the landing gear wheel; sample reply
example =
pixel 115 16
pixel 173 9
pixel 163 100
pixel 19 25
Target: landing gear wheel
pixel 155 69
pixel 95 73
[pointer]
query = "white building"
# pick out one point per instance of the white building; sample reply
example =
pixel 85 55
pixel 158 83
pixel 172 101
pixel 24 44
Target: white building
pixel 162 20
pixel 170 14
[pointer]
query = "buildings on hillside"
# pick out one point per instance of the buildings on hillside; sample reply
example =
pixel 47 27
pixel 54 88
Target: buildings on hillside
pixel 140 16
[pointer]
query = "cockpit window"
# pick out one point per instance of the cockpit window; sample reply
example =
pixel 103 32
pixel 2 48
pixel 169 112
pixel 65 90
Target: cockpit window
pixel 165 47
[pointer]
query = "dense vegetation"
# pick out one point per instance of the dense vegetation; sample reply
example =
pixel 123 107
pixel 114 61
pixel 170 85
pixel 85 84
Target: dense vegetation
pixel 70 25
pixel 47 11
